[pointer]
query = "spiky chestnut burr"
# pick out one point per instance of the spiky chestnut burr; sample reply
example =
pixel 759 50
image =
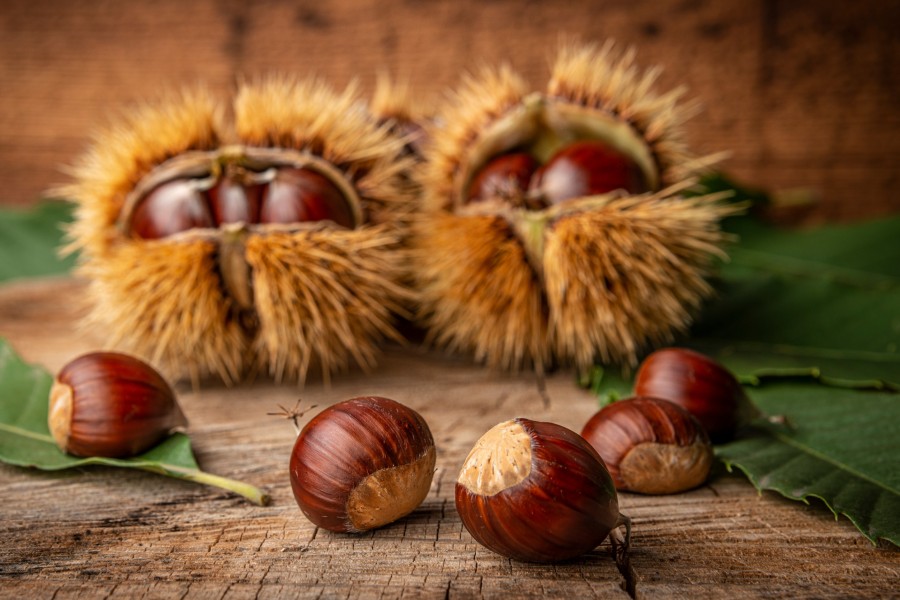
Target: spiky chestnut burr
pixel 317 293
pixel 112 405
pixel 698 384
pixel 650 446
pixel 536 492
pixel 361 464
pixel 576 272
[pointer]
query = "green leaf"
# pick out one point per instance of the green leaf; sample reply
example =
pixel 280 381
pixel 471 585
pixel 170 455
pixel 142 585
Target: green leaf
pixel 812 319
pixel 607 385
pixel 29 241
pixel 842 449
pixel 25 438
pixel 826 301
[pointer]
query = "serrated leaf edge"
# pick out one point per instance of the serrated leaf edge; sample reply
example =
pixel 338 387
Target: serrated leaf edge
pixel 731 464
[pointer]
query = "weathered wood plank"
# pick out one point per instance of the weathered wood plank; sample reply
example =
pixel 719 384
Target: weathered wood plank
pixel 101 531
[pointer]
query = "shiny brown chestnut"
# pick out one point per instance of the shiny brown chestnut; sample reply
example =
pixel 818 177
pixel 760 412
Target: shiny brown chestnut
pixel 298 195
pixel 650 446
pixel 361 464
pixel 170 208
pixel 586 168
pixel 112 405
pixel 698 384
pixel 233 202
pixel 505 177
pixel 536 492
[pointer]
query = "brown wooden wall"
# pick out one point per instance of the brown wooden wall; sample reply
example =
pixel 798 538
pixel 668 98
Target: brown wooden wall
pixel 804 92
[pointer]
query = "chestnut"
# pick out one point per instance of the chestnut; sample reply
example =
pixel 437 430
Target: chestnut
pixel 233 202
pixel 112 405
pixel 361 464
pixel 505 177
pixel 536 492
pixel 650 446
pixel 586 168
pixel 697 383
pixel 298 195
pixel 170 208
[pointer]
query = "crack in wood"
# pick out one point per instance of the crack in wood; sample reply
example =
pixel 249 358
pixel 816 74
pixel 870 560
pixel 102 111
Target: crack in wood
pixel 621 555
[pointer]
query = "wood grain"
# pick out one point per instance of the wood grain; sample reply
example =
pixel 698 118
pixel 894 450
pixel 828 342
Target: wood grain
pixel 802 93
pixel 99 532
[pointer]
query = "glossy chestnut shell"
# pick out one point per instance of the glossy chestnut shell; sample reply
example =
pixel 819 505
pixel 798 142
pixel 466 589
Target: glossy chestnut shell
pixel 361 464
pixel 650 446
pixel 112 405
pixel 697 383
pixel 536 492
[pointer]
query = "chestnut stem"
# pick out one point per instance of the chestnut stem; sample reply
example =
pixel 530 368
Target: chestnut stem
pixel 621 557
pixel 246 490
pixel 615 534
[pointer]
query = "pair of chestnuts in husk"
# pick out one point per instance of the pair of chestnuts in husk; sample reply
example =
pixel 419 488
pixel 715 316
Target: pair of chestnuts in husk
pixel 289 230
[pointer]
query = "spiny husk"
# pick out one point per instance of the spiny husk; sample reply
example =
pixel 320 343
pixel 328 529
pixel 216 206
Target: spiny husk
pixel 285 112
pixel 393 99
pixel 325 297
pixel 629 275
pixel 128 150
pixel 477 292
pixel 163 299
pixel 615 276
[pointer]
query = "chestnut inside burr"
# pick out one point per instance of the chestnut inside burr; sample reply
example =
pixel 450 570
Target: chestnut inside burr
pixel 223 196
pixel 581 169
pixel 288 195
pixel 546 151
pixel 253 187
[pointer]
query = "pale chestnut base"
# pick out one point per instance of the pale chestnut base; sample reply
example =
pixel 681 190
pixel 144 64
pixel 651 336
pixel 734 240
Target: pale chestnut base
pixel 500 459
pixel 388 494
pixel 60 416
pixel 652 468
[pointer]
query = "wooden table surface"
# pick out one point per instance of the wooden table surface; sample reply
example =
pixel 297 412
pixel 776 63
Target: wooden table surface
pixel 100 532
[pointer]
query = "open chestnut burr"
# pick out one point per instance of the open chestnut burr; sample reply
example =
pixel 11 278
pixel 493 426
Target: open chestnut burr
pixel 259 233
pixel 563 225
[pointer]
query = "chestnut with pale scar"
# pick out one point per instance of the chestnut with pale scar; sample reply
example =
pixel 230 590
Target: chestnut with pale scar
pixel 536 492
pixel 112 405
pixel 361 464
pixel 650 446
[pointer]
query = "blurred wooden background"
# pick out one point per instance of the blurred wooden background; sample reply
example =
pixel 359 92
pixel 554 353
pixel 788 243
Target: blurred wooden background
pixel 804 92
